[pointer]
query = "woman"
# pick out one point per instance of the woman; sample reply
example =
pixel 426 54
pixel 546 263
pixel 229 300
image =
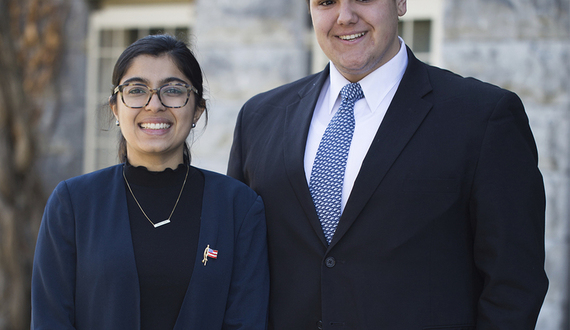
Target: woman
pixel 152 243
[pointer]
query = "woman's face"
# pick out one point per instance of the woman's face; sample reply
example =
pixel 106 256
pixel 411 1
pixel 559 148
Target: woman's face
pixel 155 134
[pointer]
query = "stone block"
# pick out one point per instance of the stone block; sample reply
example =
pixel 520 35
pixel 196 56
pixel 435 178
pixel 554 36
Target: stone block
pixel 506 19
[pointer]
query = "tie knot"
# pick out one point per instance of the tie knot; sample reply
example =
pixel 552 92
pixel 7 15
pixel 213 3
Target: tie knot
pixel 351 92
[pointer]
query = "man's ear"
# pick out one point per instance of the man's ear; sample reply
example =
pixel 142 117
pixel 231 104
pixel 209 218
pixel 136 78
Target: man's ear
pixel 402 6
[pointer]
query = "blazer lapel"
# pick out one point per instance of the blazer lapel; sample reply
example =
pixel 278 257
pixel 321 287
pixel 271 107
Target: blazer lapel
pixel 297 121
pixel 405 114
pixel 112 232
pixel 202 293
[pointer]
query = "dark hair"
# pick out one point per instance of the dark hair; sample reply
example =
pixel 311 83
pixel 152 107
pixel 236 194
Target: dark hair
pixel 157 45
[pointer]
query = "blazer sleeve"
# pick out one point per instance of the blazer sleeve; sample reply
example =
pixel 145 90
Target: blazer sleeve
pixel 248 297
pixel 53 276
pixel 508 215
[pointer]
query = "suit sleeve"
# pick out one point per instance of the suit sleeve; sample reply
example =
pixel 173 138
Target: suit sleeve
pixel 247 305
pixel 53 277
pixel 508 210
pixel 235 165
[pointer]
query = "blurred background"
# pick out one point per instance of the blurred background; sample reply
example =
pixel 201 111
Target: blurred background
pixel 57 56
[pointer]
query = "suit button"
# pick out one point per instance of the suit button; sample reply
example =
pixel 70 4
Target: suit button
pixel 320 325
pixel 330 262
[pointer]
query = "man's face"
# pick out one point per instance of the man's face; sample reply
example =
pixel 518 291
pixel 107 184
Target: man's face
pixel 358 36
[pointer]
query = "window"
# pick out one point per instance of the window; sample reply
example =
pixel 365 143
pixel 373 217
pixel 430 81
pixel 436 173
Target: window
pixel 417 34
pixel 111 30
pixel 421 28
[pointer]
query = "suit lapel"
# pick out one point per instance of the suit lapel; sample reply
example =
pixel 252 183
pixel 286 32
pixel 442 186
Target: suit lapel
pixel 297 121
pixel 404 116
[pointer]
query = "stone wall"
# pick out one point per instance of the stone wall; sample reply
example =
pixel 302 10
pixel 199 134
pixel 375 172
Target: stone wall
pixel 245 47
pixel 524 46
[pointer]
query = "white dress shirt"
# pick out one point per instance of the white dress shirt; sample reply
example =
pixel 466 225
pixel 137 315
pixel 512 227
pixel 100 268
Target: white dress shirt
pixel 379 88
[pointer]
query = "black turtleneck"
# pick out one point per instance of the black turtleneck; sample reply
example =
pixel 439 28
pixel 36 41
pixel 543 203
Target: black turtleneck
pixel 165 255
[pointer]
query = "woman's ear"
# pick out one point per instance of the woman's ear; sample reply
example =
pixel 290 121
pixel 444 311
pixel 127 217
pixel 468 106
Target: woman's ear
pixel 200 108
pixel 198 113
pixel 113 107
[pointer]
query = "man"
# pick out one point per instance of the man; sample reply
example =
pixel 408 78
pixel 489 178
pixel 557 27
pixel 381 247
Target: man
pixel 440 200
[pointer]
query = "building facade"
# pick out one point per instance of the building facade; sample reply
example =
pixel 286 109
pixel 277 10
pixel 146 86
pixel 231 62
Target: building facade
pixel 249 46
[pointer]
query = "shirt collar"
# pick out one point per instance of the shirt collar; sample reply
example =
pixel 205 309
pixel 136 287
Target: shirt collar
pixel 375 85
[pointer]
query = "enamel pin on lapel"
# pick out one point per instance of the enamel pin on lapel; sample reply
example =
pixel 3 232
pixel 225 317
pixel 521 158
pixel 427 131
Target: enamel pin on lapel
pixel 209 253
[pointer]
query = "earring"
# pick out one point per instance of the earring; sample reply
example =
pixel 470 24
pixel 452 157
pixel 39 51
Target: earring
pixel 193 125
pixel 117 123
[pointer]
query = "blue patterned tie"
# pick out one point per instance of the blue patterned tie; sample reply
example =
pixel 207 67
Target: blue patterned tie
pixel 327 175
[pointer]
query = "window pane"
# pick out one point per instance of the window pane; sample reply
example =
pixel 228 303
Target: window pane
pixel 131 36
pixel 105 73
pixel 106 38
pixel 182 34
pixel 422 34
pixel 156 31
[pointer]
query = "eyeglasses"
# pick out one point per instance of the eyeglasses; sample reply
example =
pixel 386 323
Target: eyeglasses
pixel 173 95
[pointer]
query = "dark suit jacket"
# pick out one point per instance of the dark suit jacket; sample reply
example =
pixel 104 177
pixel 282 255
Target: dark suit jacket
pixel 444 228
pixel 85 275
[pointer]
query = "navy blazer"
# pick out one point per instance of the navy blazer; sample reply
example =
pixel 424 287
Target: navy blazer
pixel 443 229
pixel 85 276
